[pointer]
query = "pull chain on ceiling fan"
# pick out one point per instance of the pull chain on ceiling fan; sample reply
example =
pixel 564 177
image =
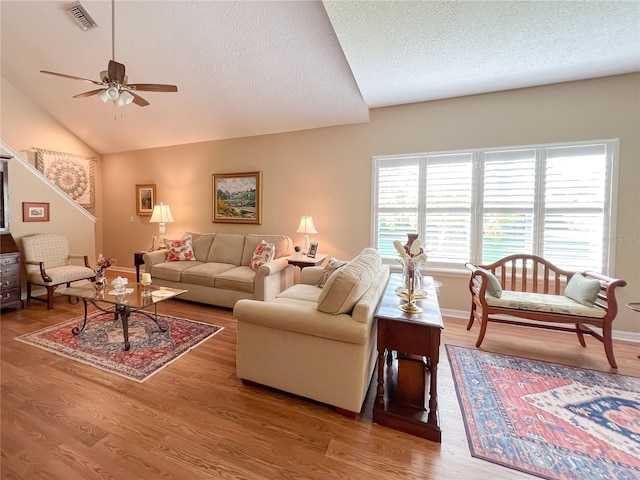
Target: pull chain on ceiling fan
pixel 114 80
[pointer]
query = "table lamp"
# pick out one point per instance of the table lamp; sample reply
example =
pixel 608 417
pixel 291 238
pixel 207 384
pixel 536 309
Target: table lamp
pixel 306 227
pixel 161 215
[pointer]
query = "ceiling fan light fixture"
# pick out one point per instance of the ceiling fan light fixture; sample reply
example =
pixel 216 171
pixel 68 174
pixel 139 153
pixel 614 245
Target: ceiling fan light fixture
pixel 126 97
pixel 104 96
pixel 113 93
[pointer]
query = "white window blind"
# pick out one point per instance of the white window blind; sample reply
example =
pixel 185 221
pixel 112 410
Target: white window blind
pixel 481 205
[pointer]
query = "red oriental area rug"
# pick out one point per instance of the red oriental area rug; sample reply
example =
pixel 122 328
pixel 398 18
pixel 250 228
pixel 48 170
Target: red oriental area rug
pixel 548 420
pixel 101 343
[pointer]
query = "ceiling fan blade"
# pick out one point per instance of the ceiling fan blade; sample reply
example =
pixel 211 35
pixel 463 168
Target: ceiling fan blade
pixel 152 87
pixel 71 77
pixel 138 100
pixel 116 72
pixel 89 94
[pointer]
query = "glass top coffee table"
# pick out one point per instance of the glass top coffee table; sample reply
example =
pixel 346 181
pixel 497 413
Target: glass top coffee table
pixel 136 298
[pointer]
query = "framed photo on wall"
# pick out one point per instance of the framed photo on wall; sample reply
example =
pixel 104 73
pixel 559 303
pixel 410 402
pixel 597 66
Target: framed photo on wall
pixel 237 197
pixel 313 249
pixel 145 199
pixel 35 212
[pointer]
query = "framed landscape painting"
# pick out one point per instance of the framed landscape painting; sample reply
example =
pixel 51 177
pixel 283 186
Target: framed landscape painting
pixel 237 197
pixel 145 199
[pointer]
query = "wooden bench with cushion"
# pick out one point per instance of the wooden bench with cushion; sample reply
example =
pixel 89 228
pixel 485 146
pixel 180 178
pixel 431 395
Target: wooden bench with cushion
pixel 532 288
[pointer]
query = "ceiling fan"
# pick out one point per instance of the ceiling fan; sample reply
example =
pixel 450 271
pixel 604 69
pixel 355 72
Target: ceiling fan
pixel 114 80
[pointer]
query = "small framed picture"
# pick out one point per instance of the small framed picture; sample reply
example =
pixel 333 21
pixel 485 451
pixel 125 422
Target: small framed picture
pixel 313 249
pixel 35 212
pixel 145 199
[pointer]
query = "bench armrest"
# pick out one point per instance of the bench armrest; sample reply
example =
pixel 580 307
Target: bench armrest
pixel 478 282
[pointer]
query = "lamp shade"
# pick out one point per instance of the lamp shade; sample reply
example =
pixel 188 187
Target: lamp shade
pixel 161 214
pixel 306 225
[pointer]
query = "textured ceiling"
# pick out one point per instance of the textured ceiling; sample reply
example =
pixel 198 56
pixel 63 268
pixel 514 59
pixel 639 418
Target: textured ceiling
pixel 248 68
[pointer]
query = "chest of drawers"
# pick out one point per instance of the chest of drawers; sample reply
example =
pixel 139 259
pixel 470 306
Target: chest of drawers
pixel 10 287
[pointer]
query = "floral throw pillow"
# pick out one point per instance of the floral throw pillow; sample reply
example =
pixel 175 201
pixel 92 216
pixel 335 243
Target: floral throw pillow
pixel 262 254
pixel 179 250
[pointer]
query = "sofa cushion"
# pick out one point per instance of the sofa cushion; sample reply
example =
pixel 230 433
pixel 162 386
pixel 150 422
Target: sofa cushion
pixel 179 250
pixel 282 246
pixel 205 273
pixel 301 291
pixel 544 302
pixel 201 243
pixel 263 253
pixel 346 285
pixel 240 279
pixel 582 290
pixel 226 248
pixel 172 270
pixel 332 265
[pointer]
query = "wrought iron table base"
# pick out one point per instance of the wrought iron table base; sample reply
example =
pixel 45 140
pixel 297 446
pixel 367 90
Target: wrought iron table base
pixel 124 312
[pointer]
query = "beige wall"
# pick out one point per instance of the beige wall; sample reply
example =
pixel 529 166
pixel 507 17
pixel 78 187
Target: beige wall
pixel 326 172
pixel 24 125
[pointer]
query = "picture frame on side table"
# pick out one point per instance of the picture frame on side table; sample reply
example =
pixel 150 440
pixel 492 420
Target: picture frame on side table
pixel 145 199
pixel 237 198
pixel 35 212
pixel 313 249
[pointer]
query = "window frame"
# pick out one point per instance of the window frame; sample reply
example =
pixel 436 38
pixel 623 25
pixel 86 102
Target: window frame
pixel 478 157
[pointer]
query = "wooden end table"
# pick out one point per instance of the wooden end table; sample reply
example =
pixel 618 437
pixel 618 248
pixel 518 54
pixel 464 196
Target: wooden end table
pixel 410 335
pixel 137 261
pixel 304 261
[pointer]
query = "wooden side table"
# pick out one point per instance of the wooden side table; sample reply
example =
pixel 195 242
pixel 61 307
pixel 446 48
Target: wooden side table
pixel 137 261
pixel 304 261
pixel 411 336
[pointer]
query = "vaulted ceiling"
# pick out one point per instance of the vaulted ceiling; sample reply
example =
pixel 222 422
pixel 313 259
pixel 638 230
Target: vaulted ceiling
pixel 258 67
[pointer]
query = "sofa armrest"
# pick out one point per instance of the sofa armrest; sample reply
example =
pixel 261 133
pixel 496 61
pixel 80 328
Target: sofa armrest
pixel 153 258
pixel 304 319
pixel 274 266
pixel 310 275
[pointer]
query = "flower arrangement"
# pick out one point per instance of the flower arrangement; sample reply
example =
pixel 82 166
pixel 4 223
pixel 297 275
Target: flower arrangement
pixel 104 263
pixel 415 252
pixel 411 257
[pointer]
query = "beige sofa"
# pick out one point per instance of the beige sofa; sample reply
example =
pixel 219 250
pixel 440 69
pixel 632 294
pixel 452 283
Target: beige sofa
pixel 220 274
pixel 319 343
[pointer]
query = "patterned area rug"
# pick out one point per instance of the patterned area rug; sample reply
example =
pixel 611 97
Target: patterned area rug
pixel 101 343
pixel 548 420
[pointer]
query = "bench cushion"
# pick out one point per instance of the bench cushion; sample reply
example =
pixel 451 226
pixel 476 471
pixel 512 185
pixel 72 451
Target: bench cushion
pixel 541 302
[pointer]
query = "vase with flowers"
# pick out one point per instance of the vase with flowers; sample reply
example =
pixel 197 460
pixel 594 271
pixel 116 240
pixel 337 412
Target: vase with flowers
pixel 411 257
pixel 102 264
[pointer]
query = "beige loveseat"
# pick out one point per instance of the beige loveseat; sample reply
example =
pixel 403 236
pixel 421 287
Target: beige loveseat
pixel 319 343
pixel 220 273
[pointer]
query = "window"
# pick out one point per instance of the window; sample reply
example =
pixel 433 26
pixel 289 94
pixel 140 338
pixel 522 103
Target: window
pixel 481 205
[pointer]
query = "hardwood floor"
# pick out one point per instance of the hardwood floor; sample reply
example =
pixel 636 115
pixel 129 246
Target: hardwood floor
pixel 197 420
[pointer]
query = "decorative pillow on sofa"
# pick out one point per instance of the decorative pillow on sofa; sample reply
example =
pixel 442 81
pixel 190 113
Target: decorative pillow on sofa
pixel 493 287
pixel 262 254
pixel 332 265
pixel 179 250
pixel 345 287
pixel 582 290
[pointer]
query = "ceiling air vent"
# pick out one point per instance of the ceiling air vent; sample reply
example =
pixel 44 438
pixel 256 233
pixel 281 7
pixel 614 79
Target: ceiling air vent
pixel 81 16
